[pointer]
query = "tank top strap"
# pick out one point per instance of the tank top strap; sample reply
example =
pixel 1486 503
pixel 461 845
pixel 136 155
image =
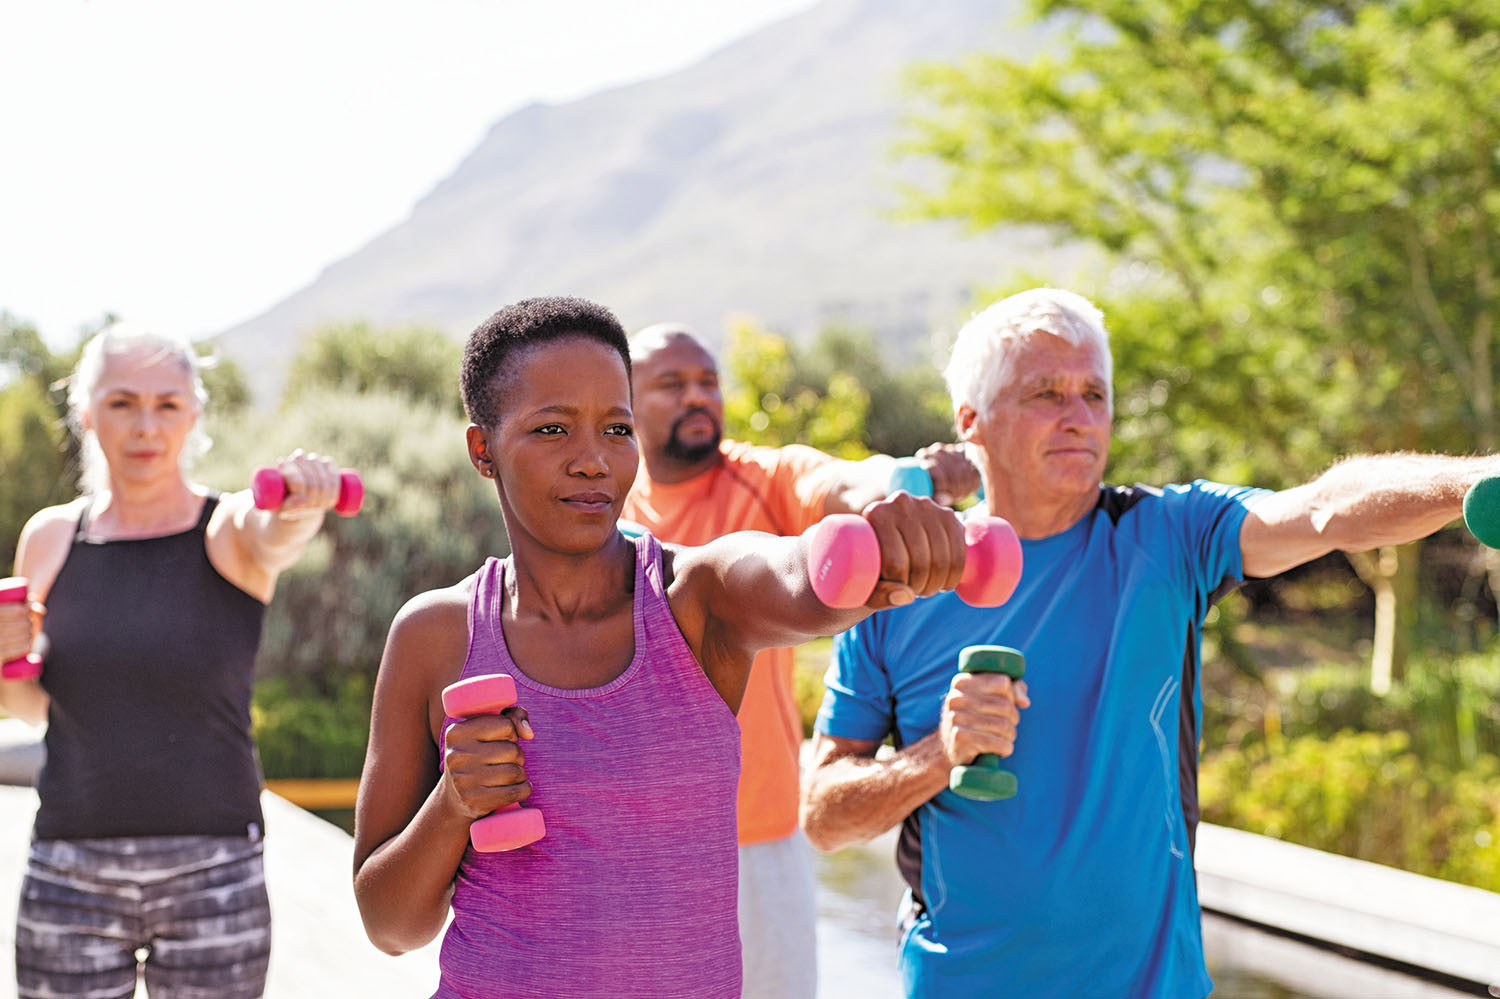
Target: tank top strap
pixel 485 643
pixel 210 502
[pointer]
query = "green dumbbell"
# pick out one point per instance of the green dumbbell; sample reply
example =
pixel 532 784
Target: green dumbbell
pixel 983 780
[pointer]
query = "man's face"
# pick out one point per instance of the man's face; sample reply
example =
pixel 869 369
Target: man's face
pixel 679 411
pixel 1048 428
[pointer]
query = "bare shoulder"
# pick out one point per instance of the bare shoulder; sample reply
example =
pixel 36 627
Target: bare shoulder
pixel 426 648
pixel 44 543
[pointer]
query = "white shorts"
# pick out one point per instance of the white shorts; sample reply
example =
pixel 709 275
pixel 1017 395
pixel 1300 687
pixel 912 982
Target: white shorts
pixel 778 919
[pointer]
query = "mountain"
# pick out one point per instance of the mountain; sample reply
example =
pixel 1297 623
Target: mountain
pixel 759 182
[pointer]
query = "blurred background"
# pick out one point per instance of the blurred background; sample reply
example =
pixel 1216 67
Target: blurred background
pixel 1288 212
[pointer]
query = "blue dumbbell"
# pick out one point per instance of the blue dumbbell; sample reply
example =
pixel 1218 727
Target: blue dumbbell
pixel 909 476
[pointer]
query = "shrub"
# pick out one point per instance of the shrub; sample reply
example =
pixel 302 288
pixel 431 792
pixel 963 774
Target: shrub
pixel 1364 795
pixel 304 732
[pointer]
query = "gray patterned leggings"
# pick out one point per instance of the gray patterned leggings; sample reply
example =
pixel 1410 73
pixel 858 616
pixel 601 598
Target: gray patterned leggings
pixel 191 910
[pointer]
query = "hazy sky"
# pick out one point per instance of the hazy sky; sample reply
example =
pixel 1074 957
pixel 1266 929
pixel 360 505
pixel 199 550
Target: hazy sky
pixel 188 163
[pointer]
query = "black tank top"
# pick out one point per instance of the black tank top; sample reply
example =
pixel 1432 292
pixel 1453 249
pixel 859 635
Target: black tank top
pixel 149 667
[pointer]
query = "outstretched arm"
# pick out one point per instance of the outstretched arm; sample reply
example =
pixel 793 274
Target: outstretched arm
pixel 749 591
pixel 250 546
pixel 1358 504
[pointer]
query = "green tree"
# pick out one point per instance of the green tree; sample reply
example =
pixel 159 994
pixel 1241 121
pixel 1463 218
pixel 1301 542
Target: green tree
pixel 836 395
pixel 32 453
pixel 36 451
pixel 414 361
pixel 1293 212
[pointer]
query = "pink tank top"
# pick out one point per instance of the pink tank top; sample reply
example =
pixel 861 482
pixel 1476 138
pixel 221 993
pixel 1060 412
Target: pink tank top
pixel 632 890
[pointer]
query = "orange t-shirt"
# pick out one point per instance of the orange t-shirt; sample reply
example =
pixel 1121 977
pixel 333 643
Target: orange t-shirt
pixel 779 490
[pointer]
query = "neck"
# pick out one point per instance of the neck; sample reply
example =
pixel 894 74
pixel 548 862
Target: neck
pixel 1036 515
pixel 145 508
pixel 668 471
pixel 564 586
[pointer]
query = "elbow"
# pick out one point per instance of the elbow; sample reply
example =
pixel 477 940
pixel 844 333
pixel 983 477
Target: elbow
pixel 398 926
pixel 398 940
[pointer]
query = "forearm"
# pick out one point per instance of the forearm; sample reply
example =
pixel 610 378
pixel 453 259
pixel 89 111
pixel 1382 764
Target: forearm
pixel 1369 501
pixel 404 888
pixel 1360 503
pixel 857 484
pixel 24 699
pixel 854 798
pixel 275 539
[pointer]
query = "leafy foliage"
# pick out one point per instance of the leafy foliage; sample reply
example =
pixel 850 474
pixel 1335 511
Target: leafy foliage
pixel 413 361
pixel 1293 206
pixel 428 521
pixel 303 731
pixel 1364 795
pixel 835 395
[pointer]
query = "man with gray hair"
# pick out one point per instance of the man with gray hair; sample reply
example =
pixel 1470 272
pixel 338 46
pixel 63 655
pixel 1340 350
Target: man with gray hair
pixel 1084 881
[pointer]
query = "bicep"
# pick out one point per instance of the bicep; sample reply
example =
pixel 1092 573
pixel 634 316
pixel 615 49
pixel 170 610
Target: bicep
pixel 401 763
pixel 828 750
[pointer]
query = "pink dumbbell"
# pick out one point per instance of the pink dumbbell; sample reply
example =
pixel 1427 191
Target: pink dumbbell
pixel 843 561
pixel 268 489
pixel 510 826
pixel 13 590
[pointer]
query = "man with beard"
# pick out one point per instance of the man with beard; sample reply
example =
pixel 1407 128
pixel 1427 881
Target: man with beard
pixel 692 487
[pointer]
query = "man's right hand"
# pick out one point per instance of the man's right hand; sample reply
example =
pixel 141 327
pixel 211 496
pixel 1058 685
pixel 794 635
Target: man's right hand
pixel 981 713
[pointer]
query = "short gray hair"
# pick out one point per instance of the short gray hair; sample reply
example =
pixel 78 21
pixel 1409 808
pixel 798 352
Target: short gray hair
pixel 986 345
pixel 114 340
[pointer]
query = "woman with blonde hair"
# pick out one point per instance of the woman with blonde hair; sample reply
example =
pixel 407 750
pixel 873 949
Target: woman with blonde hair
pixel 147 595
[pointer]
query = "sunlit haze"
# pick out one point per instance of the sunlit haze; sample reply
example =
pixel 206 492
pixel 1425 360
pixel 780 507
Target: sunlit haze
pixel 185 165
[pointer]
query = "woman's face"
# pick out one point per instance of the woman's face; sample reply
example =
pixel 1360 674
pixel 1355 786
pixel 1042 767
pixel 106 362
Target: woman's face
pixel 141 411
pixel 564 450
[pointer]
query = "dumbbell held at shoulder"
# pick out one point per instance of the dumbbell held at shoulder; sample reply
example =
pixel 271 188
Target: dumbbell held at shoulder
pixel 916 544
pixel 483 759
pixel 17 630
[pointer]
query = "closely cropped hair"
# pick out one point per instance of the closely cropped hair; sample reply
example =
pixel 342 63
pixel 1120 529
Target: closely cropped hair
pixel 496 341
pixel 983 352
pixel 123 339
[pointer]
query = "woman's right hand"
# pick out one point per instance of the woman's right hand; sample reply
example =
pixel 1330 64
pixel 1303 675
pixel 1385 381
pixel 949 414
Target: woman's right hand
pixel 20 622
pixel 484 767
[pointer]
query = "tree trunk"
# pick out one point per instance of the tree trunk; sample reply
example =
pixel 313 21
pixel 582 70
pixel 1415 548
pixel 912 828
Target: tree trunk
pixel 1391 572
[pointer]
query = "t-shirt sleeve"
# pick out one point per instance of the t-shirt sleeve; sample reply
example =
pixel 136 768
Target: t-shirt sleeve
pixel 802 478
pixel 1210 515
pixel 857 701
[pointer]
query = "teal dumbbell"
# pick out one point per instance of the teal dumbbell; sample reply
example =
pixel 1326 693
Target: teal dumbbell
pixel 1482 511
pixel 983 780
pixel 909 477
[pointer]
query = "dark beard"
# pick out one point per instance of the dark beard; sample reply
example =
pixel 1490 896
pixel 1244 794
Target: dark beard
pixel 678 451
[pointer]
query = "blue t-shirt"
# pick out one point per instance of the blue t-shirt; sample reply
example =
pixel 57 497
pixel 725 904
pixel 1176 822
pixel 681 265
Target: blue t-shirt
pixel 1083 883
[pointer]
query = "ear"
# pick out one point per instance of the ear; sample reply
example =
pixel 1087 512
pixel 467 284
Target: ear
pixel 967 423
pixel 479 450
